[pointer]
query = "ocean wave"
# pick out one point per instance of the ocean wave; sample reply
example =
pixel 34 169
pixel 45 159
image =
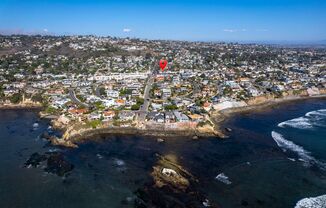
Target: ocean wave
pixel 304 155
pixel 308 121
pixel 223 178
pixel 321 112
pixel 119 162
pixel 312 202
pixel 299 123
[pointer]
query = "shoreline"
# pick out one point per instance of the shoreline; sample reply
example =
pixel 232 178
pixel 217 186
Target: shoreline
pixel 72 140
pixel 218 118
pixel 230 112
pixel 73 137
pixel 19 106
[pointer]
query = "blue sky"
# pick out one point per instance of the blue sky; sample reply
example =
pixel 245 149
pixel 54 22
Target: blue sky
pixel 219 20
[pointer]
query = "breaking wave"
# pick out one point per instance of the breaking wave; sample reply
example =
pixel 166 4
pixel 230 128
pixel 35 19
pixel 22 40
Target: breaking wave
pixel 321 112
pixel 312 202
pixel 310 120
pixel 223 178
pixel 299 123
pixel 303 154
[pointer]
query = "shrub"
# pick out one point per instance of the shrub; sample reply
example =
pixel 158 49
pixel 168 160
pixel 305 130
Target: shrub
pixel 16 98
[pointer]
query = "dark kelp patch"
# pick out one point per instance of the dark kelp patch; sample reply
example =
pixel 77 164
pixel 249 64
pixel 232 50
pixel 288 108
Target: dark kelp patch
pixel 55 163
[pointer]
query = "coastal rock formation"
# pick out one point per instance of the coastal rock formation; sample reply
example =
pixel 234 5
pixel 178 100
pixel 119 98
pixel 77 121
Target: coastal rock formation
pixel 229 104
pixel 55 163
pixel 260 99
pixel 172 186
pixel 24 104
pixel 62 142
pixel 168 173
pixel 35 160
pixel 207 129
pixel 74 134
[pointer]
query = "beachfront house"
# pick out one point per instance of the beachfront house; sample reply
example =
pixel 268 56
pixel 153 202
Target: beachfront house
pixel 180 117
pixel 108 115
pixel 126 115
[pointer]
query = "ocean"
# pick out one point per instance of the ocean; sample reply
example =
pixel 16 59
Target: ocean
pixel 273 158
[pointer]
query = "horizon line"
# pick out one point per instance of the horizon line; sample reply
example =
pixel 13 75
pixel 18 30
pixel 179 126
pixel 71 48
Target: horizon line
pixel 268 42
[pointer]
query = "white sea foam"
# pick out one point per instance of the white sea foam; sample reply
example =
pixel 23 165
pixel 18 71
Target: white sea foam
pixel 288 145
pixel 304 155
pixel 321 112
pixel 54 150
pixel 223 178
pixel 312 202
pixel 119 162
pixel 299 123
pixel 311 119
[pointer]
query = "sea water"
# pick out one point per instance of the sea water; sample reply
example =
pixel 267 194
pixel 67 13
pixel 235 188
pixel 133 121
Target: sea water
pixel 273 158
pixel 285 149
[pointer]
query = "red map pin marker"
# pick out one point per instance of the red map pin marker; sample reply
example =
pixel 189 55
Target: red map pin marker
pixel 163 64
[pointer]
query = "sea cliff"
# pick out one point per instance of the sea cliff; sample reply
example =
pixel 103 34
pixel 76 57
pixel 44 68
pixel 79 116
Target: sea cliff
pixel 264 102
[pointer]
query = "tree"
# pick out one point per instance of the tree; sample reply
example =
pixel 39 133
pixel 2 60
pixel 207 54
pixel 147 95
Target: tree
pixel 140 101
pixel 99 105
pixel 171 107
pixel 51 110
pixel 2 95
pixel 16 98
pixel 37 98
pixel 125 92
pixel 102 91
pixel 227 90
pixel 148 56
pixel 135 107
pixel 94 123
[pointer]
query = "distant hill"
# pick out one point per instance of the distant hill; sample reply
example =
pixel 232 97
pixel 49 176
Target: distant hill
pixel 322 42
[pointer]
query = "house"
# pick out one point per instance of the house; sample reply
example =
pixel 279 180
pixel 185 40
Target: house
pixel 157 93
pixel 113 93
pixel 135 93
pixel 108 115
pixel 196 117
pixel 180 117
pixel 108 103
pixel 76 111
pixel 120 102
pixel 151 116
pixel 253 91
pixel 232 84
pixel 63 119
pixel 156 106
pixel 94 116
pixel 126 115
pixel 159 118
pixel 156 117
pixel 207 106
pixel 169 117
pixel 166 93
pixel 59 102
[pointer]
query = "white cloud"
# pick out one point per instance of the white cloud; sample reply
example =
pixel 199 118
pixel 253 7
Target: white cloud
pixel 230 30
pixel 262 30
pixel 45 30
pixel 234 30
pixel 126 30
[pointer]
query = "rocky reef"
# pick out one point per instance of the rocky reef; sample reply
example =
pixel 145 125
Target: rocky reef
pixel 54 163
pixel 171 186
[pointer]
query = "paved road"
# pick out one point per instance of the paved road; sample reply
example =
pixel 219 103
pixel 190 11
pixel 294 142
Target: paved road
pixel 97 92
pixel 74 99
pixel 144 110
